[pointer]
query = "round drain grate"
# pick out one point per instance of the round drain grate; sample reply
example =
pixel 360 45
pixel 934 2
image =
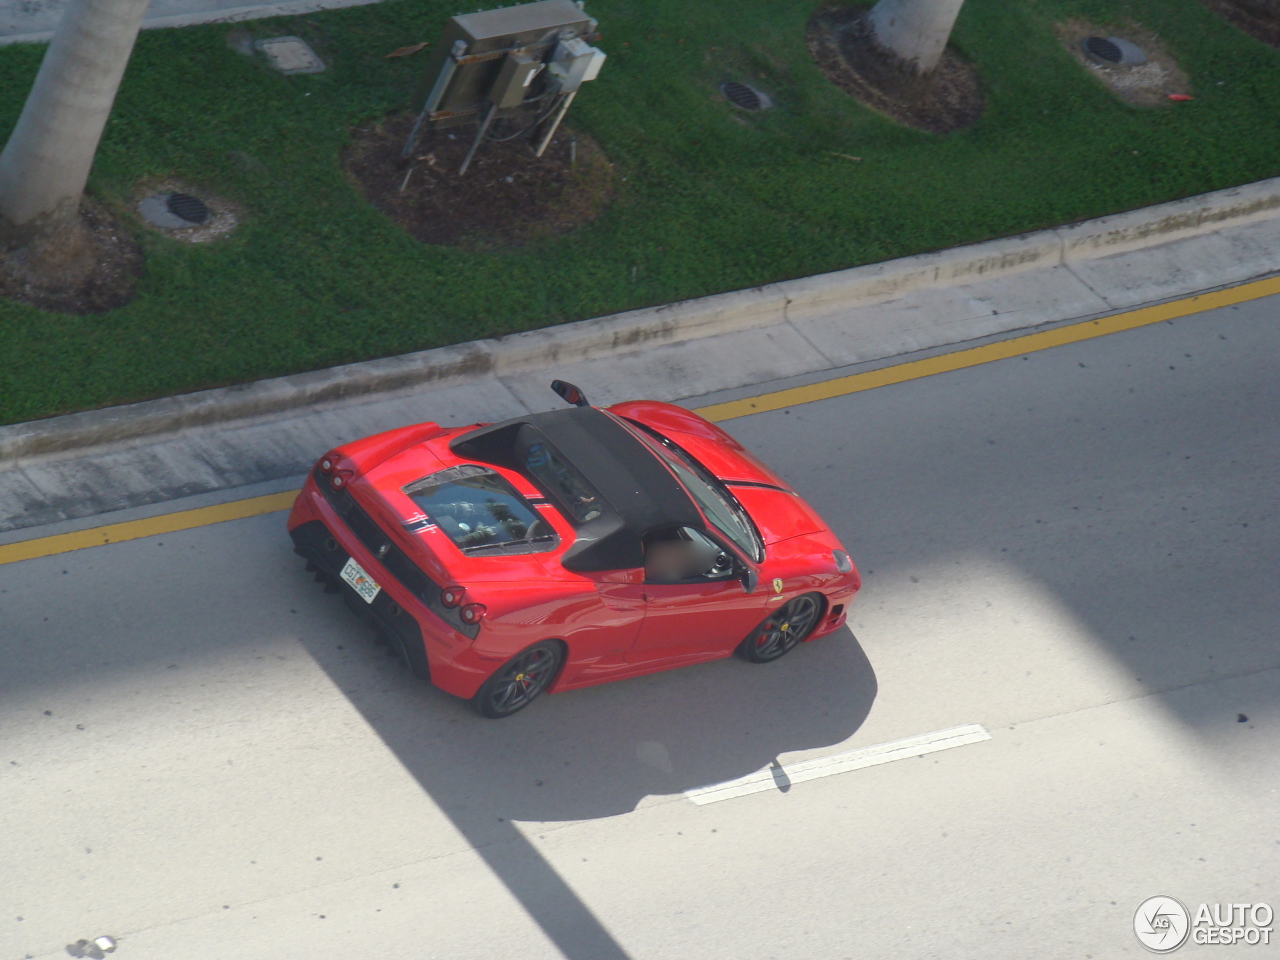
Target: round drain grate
pixel 189 208
pixel 1102 49
pixel 744 97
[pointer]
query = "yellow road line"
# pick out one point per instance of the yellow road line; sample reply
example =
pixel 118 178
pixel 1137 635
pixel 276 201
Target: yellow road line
pixel 840 386
pixel 1000 350
pixel 135 529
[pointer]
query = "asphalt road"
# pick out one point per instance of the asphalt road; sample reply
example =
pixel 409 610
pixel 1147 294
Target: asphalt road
pixel 205 756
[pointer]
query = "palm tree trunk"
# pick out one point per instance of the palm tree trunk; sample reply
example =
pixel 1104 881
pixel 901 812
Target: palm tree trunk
pixel 915 30
pixel 46 162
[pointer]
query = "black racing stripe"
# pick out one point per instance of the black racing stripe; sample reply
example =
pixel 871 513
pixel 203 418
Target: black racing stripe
pixel 395 560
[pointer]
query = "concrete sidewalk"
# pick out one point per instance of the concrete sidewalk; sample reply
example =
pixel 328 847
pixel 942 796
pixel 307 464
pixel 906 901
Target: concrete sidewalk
pixel 33 21
pixel 126 458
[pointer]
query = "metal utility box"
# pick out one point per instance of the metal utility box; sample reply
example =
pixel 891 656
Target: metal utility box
pixel 574 62
pixel 487 37
pixel 514 79
pixel 524 62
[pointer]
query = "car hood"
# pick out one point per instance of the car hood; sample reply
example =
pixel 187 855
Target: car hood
pixel 778 514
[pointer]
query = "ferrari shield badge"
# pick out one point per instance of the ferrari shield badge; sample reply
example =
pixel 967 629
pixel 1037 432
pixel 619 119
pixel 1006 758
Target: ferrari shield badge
pixel 777 586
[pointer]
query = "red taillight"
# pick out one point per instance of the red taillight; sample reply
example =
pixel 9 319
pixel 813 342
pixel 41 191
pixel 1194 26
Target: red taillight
pixel 326 464
pixel 451 596
pixel 338 482
pixel 472 613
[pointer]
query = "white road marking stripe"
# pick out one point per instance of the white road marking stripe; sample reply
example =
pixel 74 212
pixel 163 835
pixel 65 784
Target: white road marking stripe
pixel 771 777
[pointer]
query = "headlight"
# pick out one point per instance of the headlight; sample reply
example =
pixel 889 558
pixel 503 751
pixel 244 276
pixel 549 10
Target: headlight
pixel 843 563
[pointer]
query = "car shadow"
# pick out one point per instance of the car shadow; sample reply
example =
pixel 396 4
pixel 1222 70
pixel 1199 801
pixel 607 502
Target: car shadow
pixel 1129 486
pixel 599 752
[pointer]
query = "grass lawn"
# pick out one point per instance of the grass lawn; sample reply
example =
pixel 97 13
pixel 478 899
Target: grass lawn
pixel 712 199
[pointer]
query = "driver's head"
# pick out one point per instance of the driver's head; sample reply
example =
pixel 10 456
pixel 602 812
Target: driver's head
pixel 668 560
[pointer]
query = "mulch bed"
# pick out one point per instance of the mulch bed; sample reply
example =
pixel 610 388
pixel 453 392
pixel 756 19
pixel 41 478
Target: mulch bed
pixel 1258 18
pixel 506 198
pixel 112 283
pixel 840 40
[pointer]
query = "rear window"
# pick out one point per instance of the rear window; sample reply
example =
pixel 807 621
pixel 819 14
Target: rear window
pixel 481 512
pixel 564 483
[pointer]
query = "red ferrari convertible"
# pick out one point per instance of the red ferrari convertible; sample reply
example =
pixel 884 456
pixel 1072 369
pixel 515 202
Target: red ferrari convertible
pixel 563 549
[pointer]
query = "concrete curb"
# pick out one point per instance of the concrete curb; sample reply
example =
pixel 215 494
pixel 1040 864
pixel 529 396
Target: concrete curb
pixel 636 330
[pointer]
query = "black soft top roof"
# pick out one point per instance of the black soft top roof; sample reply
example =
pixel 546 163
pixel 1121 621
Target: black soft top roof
pixel 638 493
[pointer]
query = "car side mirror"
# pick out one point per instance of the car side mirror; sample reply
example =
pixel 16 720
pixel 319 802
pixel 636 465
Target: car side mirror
pixel 569 393
pixel 748 578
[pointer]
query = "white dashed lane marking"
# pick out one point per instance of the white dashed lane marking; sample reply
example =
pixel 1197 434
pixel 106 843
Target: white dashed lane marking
pixel 779 777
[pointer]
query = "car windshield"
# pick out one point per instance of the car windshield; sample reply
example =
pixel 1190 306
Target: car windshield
pixel 480 512
pixel 720 506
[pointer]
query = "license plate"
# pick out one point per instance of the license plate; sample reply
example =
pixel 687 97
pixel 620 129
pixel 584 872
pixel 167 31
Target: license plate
pixel 360 581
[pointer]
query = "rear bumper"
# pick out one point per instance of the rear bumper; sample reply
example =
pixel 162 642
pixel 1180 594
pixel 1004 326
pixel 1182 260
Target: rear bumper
pixel 434 649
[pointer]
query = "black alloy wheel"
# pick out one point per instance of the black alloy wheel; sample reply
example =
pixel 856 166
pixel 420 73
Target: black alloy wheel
pixel 519 681
pixel 783 629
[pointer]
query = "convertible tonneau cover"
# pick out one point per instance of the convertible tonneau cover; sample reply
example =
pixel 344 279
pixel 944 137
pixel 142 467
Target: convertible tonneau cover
pixel 638 493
